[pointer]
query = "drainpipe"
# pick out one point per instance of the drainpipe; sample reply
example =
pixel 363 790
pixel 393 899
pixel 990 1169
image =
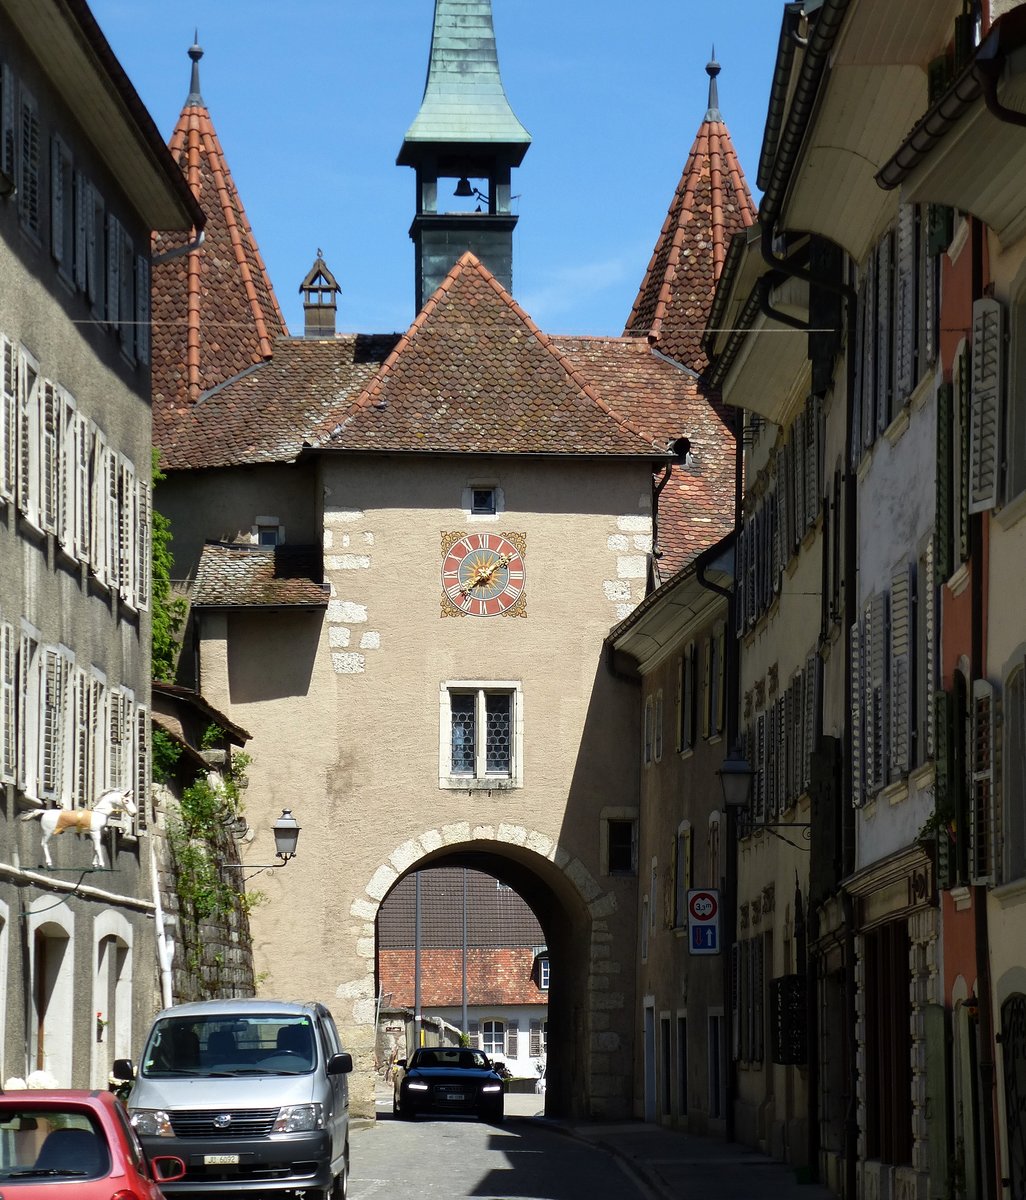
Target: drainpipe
pixel 656 552
pixel 165 947
pixel 986 1065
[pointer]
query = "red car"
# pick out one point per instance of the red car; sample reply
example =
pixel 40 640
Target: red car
pixel 67 1145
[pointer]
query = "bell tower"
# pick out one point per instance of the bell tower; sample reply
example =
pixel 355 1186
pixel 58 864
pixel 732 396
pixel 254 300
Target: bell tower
pixel 466 133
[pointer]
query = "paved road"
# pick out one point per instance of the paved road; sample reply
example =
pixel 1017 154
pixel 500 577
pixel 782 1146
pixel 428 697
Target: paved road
pixel 453 1157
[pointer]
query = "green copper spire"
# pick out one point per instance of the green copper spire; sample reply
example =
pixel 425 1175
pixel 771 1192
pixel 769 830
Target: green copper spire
pixel 464 100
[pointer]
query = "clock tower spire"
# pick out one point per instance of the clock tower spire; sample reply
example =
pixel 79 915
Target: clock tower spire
pixel 465 132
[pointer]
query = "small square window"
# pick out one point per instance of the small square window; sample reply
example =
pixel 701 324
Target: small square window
pixel 267 532
pixel 482 501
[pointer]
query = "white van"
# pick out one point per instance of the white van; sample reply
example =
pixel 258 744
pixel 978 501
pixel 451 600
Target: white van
pixel 252 1094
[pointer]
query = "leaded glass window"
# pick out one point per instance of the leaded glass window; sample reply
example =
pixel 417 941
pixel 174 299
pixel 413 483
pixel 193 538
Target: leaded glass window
pixel 480 724
pixel 497 734
pixel 463 734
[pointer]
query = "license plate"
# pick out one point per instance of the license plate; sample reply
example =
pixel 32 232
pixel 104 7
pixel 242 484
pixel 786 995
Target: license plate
pixel 454 1095
pixel 220 1160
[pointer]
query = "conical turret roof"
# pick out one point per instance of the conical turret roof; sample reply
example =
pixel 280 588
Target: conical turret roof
pixel 214 309
pixel 712 203
pixel 464 100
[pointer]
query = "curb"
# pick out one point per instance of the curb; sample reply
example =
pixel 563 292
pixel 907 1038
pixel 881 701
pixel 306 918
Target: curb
pixel 640 1174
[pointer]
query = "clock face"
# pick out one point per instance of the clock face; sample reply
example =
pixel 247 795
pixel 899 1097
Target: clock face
pixel 483 574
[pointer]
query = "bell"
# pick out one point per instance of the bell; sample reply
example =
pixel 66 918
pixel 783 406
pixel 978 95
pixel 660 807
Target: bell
pixel 463 188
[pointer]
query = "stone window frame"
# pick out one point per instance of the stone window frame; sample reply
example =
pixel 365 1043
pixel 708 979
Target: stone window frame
pixel 480 780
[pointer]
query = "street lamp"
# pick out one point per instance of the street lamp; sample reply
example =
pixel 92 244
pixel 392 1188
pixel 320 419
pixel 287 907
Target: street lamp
pixel 735 779
pixel 286 836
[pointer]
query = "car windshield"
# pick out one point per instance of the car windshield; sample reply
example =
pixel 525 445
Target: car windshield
pixel 50 1143
pixel 450 1058
pixel 271 1044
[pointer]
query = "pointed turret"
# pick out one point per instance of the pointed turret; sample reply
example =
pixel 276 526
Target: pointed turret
pixel 710 205
pixel 465 130
pixel 214 309
pixel 319 289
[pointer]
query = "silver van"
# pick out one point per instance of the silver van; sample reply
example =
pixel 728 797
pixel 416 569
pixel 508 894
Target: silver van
pixel 252 1094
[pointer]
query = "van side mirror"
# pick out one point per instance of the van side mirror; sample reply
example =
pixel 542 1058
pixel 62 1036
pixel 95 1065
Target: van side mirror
pixel 123 1069
pixel 340 1064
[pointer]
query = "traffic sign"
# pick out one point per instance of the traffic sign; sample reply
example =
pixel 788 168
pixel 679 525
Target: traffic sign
pixel 704 921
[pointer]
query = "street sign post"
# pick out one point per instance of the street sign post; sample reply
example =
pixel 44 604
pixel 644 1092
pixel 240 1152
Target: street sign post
pixel 704 921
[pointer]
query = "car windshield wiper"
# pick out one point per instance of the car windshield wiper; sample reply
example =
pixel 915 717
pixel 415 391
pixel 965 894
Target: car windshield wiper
pixel 38 1172
pixel 261 1071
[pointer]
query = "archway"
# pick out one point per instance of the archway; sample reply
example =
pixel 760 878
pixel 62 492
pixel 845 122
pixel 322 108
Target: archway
pixel 591 994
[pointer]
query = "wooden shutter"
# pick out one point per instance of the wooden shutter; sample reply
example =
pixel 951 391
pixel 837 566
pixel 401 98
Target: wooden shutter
pixel 95 263
pixel 80 240
pixel 944 526
pixel 902 649
pixel 759 763
pixel 116 741
pixel 143 773
pixel 127 533
pixel 813 455
pixel 785 504
pixel 7 706
pixel 8 124
pixel 735 1000
pixel 779 523
pixel 49 465
pixel 878 706
pixel 758 990
pixel 962 452
pixel 772 747
pixel 869 356
pixel 985 418
pixel 740 572
pixel 942 719
pixel 113 289
pixel 142 308
pixel 982 831
pixel 535 1039
pixel 855 449
pixel 126 305
pixel 858 708
pixel 929 272
pixel 82 775
pixel 884 320
pixel 752 563
pixel 512 1039
pixel 810 717
pixel 113 522
pixel 798 449
pixel 926 597
pixel 905 304
pixel 28 183
pixel 8 418
pixel 28 440
pixel 51 758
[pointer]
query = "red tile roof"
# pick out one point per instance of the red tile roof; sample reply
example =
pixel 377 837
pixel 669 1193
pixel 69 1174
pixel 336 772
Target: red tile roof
pixel 475 375
pixel 710 205
pixel 233 575
pixel 214 309
pixel 497 976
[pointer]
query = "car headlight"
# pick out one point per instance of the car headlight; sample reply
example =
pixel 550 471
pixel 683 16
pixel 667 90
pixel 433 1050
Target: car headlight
pixel 414 1086
pixel 152 1122
pixel 299 1118
pixel 492 1087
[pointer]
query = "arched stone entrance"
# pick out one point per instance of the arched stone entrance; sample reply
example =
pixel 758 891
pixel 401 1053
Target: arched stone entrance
pixel 591 995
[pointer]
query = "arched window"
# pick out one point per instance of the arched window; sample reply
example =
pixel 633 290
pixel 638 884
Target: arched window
pixel 1014 776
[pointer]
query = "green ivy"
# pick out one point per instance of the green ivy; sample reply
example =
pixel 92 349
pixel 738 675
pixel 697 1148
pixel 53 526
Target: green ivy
pixel 166 753
pixel 168 612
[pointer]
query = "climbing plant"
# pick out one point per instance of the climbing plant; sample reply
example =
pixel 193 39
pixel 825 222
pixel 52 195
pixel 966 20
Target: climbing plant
pixel 169 612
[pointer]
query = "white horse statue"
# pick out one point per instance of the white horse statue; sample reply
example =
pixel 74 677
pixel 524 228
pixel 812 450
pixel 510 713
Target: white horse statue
pixel 90 821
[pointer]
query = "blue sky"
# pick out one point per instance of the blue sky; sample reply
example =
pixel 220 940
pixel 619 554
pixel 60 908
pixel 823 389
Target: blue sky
pixel 311 101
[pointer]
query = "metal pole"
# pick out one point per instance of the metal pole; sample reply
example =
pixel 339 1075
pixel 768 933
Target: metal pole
pixel 466 1026
pixel 418 1023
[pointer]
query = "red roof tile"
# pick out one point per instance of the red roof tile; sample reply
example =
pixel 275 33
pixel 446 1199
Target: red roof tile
pixel 214 309
pixel 475 375
pixel 232 575
pixel 710 205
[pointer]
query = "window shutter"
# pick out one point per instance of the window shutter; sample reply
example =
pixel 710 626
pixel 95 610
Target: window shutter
pixel 28 441
pixel 752 563
pixel 942 719
pixel 884 359
pixel 962 479
pixel 670 891
pixel 28 184
pixel 50 464
pixel 799 478
pixel 7 708
pixel 877 732
pixel 779 523
pixel 535 1039
pixel 113 520
pixel 127 501
pixel 142 766
pixel 927 598
pixel 57 201
pixel 113 291
pixel 811 714
pixel 869 356
pixel 95 267
pixel 786 505
pixel 813 471
pixel 67 473
pixel 758 989
pixel 985 418
pixel 142 308
pixel 855 449
pixel 929 271
pixel 52 762
pixel 116 739
pixel 8 126
pixel 905 303
pixel 798 734
pixel 126 304
pixel 772 745
pixel 679 734
pixel 512 1038
pixel 781 736
pixel 474 1033
pixel 902 643
pixel 759 763
pixel 740 569
pixel 945 480
pixel 735 1000
pixel 81 234
pixel 82 776
pixel 8 419
pixel 857 700
pixel 982 832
